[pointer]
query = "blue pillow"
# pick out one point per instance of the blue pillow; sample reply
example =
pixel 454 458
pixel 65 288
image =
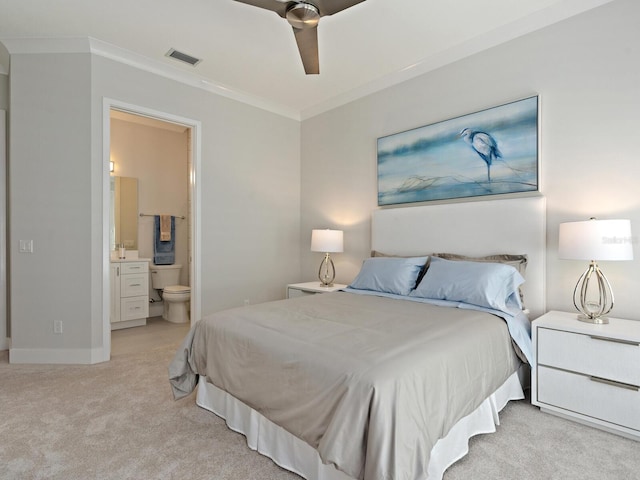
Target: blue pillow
pixel 389 274
pixel 489 285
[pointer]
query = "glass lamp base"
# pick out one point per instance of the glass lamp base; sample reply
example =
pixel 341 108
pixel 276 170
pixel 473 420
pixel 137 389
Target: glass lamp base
pixel 327 272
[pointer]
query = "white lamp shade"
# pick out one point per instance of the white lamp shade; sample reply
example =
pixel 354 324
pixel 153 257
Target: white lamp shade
pixel 596 240
pixel 328 241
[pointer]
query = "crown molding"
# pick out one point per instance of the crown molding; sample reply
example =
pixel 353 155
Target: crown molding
pixel 47 45
pixel 107 50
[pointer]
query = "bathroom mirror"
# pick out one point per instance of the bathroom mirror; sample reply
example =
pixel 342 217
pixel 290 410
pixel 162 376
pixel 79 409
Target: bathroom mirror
pixel 124 212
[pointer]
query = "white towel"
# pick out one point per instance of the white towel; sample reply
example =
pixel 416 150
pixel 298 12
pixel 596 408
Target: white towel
pixel 165 228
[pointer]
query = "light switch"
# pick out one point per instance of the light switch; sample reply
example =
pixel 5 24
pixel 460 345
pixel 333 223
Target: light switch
pixel 26 246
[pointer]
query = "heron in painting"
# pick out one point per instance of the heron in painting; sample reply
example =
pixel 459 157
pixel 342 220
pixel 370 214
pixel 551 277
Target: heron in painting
pixel 484 145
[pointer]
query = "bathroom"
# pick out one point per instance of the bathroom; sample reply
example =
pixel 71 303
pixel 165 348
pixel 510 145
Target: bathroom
pixel 154 157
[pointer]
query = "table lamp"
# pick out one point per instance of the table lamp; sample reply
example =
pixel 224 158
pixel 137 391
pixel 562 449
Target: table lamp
pixel 327 241
pixel 595 240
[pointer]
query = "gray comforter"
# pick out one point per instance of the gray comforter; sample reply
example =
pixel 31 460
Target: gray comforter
pixel 371 383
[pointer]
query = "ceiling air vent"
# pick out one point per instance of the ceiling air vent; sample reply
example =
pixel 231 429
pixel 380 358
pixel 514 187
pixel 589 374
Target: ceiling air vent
pixel 183 57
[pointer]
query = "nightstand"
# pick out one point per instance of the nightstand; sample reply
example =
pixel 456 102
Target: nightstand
pixel 310 288
pixel 588 373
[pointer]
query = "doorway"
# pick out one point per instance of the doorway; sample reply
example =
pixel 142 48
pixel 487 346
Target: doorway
pixel 190 213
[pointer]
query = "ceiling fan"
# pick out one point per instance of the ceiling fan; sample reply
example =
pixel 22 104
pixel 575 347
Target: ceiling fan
pixel 304 18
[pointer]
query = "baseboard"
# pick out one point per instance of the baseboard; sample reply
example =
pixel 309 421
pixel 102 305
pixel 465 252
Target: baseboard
pixel 70 356
pixel 4 344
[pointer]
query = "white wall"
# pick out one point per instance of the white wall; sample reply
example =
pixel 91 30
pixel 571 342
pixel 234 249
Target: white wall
pixel 587 73
pixel 250 183
pixel 250 194
pixel 250 179
pixel 49 185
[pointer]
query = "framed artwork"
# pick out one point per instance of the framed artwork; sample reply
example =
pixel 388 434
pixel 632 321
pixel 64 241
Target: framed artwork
pixel 491 152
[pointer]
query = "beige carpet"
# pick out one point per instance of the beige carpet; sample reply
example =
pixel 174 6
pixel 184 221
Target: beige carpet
pixel 117 420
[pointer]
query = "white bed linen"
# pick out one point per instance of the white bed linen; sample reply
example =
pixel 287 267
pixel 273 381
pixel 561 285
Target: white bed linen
pixel 297 456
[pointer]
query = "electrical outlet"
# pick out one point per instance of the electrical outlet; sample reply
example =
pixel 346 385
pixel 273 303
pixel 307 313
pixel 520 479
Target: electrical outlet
pixel 246 302
pixel 57 327
pixel 26 246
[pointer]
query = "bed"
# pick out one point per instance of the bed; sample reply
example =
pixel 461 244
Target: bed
pixel 383 380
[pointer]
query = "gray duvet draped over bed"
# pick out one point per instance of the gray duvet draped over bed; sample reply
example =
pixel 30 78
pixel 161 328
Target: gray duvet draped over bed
pixel 370 382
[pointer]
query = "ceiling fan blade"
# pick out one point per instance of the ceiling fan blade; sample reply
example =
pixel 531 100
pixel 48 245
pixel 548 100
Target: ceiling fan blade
pixel 307 41
pixel 303 16
pixel 329 7
pixel 274 5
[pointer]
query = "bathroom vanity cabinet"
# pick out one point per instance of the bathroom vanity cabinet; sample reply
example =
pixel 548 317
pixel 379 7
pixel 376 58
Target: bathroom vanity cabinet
pixel 129 294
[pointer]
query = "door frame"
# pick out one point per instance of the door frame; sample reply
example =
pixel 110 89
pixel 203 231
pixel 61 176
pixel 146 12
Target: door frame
pixel 195 127
pixel 5 328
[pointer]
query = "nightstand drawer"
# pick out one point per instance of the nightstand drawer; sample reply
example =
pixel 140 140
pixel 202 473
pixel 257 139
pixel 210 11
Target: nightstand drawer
pixel 311 288
pixel 592 397
pixel 590 354
pixel 294 292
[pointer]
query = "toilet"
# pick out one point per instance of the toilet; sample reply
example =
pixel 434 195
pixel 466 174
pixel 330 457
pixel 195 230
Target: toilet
pixel 175 297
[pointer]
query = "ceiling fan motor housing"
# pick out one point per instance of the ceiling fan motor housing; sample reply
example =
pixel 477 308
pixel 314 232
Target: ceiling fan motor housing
pixel 303 15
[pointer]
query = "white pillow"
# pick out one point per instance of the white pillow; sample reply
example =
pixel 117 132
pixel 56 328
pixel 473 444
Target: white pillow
pixel 489 285
pixel 389 274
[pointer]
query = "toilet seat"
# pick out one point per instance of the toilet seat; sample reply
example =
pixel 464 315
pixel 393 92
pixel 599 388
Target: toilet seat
pixel 177 289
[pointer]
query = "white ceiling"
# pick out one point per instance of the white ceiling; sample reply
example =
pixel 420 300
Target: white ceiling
pixel 252 52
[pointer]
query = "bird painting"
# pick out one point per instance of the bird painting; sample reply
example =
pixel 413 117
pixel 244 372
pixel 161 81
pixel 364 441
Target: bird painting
pixel 441 161
pixel 484 145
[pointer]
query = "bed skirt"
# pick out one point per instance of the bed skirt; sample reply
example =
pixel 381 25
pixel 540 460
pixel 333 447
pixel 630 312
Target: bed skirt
pixel 294 455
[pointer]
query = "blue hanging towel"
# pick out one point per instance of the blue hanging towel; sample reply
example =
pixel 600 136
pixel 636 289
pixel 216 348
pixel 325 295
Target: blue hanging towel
pixel 164 252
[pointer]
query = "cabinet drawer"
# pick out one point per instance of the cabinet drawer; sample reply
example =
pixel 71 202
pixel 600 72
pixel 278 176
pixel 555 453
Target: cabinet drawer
pixel 134 307
pixel 590 354
pixel 134 267
pixel 134 285
pixel 294 292
pixel 581 394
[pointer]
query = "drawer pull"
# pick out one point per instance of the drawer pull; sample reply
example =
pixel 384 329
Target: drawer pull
pixel 135 285
pixel 615 340
pixel 613 383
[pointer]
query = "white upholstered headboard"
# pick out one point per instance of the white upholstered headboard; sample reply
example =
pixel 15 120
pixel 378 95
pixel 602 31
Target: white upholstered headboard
pixel 515 226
